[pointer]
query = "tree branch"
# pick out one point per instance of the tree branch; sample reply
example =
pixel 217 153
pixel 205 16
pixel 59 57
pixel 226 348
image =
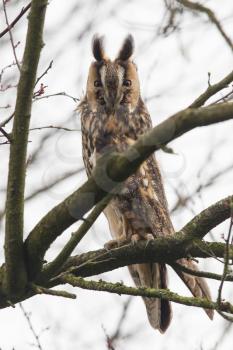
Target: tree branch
pixel 76 237
pixel 212 90
pixel 111 170
pixel 165 294
pixel 22 12
pixel 196 6
pixel 10 34
pixel 15 268
pixel 214 276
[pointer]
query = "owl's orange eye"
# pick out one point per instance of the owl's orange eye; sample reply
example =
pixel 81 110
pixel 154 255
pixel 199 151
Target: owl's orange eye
pixel 97 83
pixel 127 82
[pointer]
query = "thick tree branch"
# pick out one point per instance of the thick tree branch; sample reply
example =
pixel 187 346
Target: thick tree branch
pixel 15 267
pixel 110 171
pixel 162 250
pixel 185 243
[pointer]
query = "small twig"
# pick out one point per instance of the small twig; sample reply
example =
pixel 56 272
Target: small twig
pixel 5 107
pixel 109 342
pixel 226 330
pixel 28 319
pixel 58 293
pixel 212 90
pixel 10 34
pixel 40 92
pixel 8 136
pixel 5 68
pixel 227 97
pixel 225 271
pixel 9 27
pixel 198 273
pixel 75 99
pixel 53 127
pixel 117 333
pixel 53 183
pixel 196 6
pixel 45 72
pixel 76 237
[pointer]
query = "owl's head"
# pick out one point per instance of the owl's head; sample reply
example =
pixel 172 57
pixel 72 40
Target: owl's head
pixel 112 84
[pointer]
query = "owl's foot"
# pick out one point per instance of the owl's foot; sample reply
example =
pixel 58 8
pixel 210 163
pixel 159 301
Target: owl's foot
pixel 137 237
pixel 149 237
pixel 115 243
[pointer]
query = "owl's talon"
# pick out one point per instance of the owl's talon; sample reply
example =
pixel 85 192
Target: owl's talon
pixel 135 238
pixel 149 237
pixel 115 243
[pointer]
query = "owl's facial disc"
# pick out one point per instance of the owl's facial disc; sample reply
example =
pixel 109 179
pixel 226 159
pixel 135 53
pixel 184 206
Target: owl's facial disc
pixel 112 75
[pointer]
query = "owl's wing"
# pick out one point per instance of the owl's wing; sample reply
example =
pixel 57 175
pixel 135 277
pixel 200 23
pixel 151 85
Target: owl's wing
pixel 159 311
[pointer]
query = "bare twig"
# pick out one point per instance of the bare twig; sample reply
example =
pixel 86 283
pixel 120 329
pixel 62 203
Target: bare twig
pixel 3 70
pixel 8 136
pixel 196 6
pixel 182 200
pixel 58 293
pixel 10 33
pixel 10 26
pixel 53 127
pixel 75 99
pixel 225 271
pixel 28 319
pixel 45 72
pixel 212 90
pixel 53 183
pixel 76 237
pixel 215 276
pixel 117 334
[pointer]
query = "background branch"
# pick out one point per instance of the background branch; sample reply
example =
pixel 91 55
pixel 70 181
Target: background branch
pixel 196 6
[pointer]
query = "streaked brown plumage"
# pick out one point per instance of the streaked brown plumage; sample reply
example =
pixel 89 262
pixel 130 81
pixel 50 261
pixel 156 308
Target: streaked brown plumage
pixel 113 117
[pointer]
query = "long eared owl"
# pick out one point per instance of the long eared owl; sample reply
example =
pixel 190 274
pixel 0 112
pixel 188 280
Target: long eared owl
pixel 113 116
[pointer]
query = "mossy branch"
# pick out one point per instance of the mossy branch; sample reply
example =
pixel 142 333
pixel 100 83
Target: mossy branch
pixel 110 172
pixel 185 243
pixel 166 294
pixel 57 264
pixel 16 279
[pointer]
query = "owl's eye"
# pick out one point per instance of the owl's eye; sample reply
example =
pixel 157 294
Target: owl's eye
pixel 127 82
pixel 97 83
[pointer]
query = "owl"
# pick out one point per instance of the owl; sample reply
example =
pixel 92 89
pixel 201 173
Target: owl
pixel 113 116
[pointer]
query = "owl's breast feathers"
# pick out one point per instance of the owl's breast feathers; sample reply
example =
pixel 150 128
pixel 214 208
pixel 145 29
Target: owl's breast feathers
pixel 142 201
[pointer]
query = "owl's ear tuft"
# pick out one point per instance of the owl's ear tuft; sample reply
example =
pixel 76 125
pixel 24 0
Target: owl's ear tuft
pixel 98 47
pixel 127 49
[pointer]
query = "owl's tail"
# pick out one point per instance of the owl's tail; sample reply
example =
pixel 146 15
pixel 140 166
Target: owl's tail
pixel 197 285
pixel 159 311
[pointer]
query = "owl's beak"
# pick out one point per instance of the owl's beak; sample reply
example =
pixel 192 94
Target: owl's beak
pixel 112 97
